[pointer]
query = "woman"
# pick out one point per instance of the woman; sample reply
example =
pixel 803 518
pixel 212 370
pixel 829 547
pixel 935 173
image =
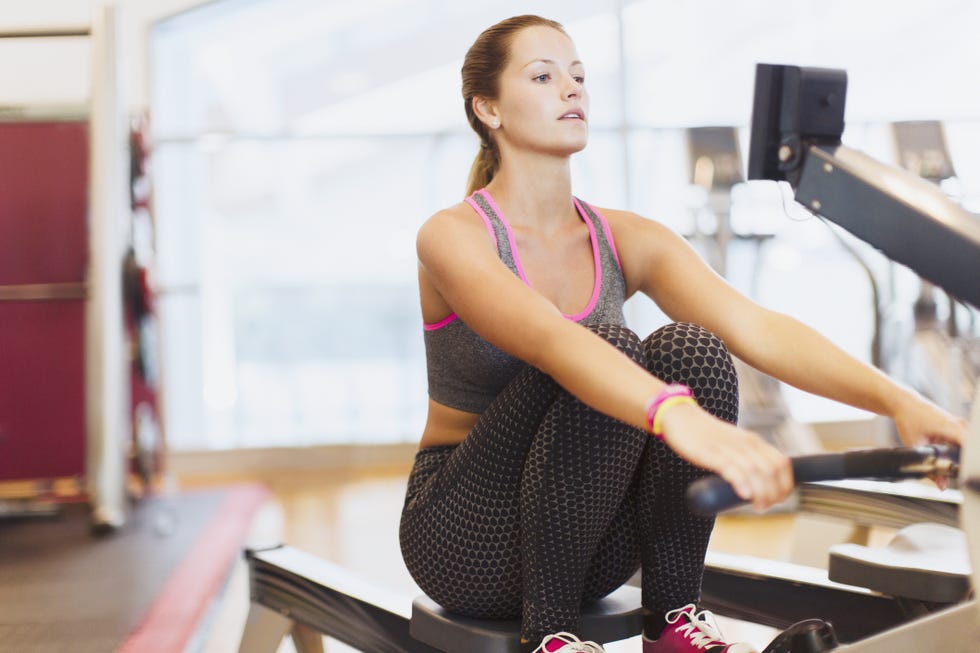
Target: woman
pixel 558 445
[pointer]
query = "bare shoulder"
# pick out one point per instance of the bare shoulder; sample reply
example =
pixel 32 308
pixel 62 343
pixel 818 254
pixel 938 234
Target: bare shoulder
pixel 634 231
pixel 643 245
pixel 628 220
pixel 456 212
pixel 454 231
pixel 456 221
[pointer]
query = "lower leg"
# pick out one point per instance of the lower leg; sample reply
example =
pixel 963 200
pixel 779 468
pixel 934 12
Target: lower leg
pixel 674 539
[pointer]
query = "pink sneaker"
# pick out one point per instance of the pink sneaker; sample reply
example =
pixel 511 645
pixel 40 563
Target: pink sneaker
pixel 689 631
pixel 566 643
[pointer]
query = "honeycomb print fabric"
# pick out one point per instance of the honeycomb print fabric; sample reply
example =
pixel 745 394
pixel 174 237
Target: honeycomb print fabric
pixel 548 504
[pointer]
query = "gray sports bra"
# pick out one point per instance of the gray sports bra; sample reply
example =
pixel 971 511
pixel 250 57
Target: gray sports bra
pixel 465 371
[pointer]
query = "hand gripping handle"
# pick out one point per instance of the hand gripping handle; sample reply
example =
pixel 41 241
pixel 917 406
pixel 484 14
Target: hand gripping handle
pixel 713 494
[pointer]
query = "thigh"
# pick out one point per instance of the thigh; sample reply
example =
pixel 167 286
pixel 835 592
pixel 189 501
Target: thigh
pixel 460 530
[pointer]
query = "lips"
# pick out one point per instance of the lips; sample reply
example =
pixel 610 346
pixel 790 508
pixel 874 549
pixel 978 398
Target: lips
pixel 572 115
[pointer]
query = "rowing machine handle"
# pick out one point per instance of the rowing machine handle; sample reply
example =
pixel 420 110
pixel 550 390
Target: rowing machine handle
pixel 713 494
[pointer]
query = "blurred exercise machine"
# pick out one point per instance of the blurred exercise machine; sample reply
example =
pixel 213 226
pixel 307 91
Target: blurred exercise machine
pixel 939 352
pixel 715 166
pixel 930 341
pixel 796 129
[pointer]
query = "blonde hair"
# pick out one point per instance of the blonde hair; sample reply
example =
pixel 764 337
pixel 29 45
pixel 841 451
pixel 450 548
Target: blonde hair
pixel 482 66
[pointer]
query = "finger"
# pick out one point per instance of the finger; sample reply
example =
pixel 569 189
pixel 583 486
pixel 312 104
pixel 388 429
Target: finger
pixel 739 482
pixel 782 473
pixel 765 497
pixel 772 474
pixel 755 467
pixel 773 491
pixel 764 493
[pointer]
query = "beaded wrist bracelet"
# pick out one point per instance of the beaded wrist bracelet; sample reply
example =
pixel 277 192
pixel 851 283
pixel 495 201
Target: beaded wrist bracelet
pixel 672 395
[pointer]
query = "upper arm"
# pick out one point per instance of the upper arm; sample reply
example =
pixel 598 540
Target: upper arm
pixel 460 267
pixel 663 265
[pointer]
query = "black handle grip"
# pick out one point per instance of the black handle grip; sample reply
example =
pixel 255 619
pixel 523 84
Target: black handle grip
pixel 713 494
pixel 710 495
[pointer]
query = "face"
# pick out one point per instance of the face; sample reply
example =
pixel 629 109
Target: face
pixel 543 104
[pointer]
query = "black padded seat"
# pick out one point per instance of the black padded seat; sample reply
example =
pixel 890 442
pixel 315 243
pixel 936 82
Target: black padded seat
pixel 617 616
pixel 923 562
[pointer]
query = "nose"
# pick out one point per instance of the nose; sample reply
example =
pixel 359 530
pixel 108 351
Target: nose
pixel 573 88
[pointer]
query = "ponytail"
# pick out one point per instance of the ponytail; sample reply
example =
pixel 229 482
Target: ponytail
pixel 483 169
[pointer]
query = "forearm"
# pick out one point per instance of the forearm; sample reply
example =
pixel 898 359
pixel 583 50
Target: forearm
pixel 598 374
pixel 798 355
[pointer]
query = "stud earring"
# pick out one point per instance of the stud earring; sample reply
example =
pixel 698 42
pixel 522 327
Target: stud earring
pixel 495 124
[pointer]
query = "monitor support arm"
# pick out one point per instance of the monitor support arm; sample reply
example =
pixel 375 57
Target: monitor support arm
pixel 901 214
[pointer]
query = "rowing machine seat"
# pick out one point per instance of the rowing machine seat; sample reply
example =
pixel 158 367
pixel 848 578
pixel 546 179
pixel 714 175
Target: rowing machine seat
pixel 615 617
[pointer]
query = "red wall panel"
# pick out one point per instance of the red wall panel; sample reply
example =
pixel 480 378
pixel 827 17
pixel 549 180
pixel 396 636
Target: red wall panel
pixel 43 240
pixel 42 402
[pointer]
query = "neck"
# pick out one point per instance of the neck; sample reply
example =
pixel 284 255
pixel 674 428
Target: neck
pixel 534 190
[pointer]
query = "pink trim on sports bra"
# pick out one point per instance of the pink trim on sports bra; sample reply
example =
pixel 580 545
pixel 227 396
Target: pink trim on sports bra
pixel 597 263
pixel 486 220
pixel 606 230
pixel 435 326
pixel 485 194
pixel 593 239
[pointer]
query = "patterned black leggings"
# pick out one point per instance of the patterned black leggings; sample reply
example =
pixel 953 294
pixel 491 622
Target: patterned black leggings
pixel 548 504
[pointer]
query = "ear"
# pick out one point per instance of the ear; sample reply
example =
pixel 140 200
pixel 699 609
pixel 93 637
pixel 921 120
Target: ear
pixel 486 111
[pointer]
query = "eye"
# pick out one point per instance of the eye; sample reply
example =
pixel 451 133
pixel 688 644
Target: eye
pixel 543 77
pixel 579 78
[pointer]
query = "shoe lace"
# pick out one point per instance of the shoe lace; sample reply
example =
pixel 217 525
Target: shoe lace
pixel 701 628
pixel 572 644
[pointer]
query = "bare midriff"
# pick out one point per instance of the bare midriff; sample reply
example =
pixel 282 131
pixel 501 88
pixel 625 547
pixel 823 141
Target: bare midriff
pixel 445 425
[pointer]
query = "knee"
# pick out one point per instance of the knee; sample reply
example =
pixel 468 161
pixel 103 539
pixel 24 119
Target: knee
pixel 620 337
pixel 690 354
pixel 683 345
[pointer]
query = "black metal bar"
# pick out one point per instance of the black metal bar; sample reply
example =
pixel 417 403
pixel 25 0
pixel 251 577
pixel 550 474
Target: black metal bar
pixel 905 217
